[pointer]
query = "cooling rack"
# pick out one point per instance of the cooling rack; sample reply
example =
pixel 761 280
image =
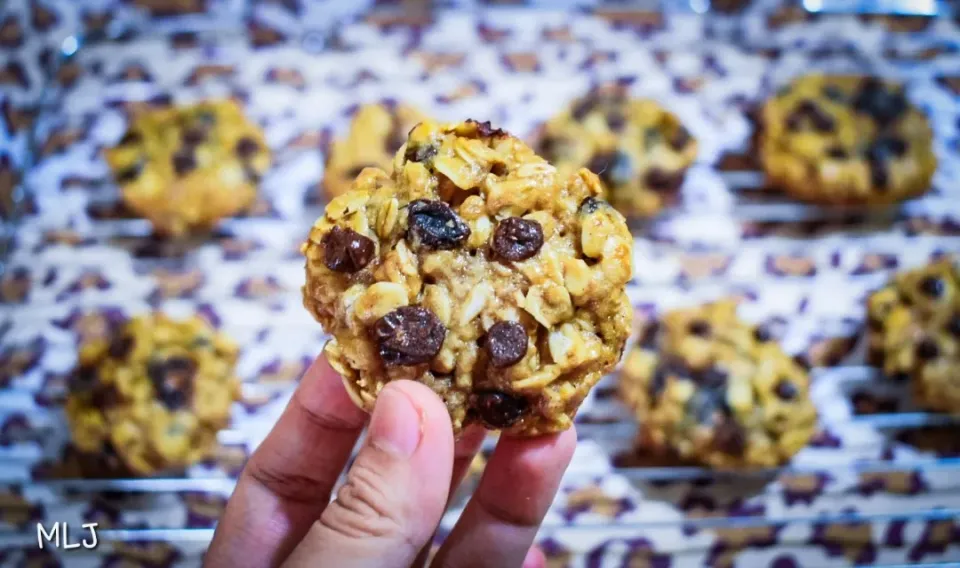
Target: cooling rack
pixel 804 268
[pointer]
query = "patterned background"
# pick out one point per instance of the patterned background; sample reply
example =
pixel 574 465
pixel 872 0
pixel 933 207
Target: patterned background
pixel 877 485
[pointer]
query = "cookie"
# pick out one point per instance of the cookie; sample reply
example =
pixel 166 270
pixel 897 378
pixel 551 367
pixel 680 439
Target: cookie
pixel 712 389
pixel 640 150
pixel 914 333
pixel 376 133
pixel 478 270
pixel 185 168
pixel 154 395
pixel 846 140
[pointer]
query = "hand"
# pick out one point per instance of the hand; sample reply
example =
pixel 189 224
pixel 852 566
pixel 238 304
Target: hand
pixel 394 494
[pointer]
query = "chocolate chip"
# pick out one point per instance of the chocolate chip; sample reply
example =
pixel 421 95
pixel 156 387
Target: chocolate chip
pixel 699 328
pixel 662 181
pixel 506 343
pixel 711 377
pixel 419 153
pixel 409 336
pixel 886 147
pixel 882 104
pixel 184 162
pixel 762 334
pixel 120 347
pixel 583 107
pixel 616 121
pixel 794 121
pixel 347 251
pixel 927 349
pixel 680 138
pixel 434 225
pixel 821 120
pixel 129 175
pixel 485 129
pixel 247 147
pixel 879 176
pixel 730 438
pixel 193 136
pixel 806 107
pixel 173 380
pixel 498 409
pixel 106 397
pixel 131 137
pixel 786 390
pixel 517 239
pixel 953 326
pixel 837 153
pixel 834 93
pixel 931 286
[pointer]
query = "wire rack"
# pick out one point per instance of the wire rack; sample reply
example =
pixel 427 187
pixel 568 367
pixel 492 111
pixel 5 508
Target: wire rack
pixel 749 499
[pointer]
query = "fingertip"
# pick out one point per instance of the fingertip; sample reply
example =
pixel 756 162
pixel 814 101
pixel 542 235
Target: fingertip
pixel 546 451
pixel 535 558
pixel 322 385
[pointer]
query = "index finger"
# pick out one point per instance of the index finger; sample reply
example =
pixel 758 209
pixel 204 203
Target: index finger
pixel 286 484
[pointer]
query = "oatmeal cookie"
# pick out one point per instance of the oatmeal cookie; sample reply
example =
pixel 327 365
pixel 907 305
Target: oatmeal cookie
pixel 478 270
pixel 640 150
pixel 155 394
pixel 846 140
pixel 914 333
pixel 710 388
pixel 376 133
pixel 185 168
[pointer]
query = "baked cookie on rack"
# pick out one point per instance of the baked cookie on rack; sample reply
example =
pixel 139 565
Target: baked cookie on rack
pixel 480 271
pixel 914 333
pixel 846 140
pixel 708 387
pixel 376 133
pixel 154 395
pixel 640 150
pixel 185 168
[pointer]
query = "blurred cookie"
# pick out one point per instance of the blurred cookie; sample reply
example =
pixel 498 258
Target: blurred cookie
pixel 154 395
pixel 185 168
pixel 914 333
pixel 640 150
pixel 846 140
pixel 710 388
pixel 376 133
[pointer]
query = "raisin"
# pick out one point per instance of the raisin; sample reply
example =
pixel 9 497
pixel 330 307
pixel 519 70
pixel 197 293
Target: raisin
pixel 931 286
pixel 583 107
pixel 247 147
pixel 591 205
pixel 106 397
pixel 662 181
pixel 409 336
pixel 821 120
pixel 485 129
pixel 884 105
pixel 928 349
pixel 786 390
pixel 498 409
pixel 345 250
pixel 953 326
pixel 600 163
pixel 506 343
pixel 806 107
pixel 517 239
pixel 889 146
pixel 762 334
pixel 680 138
pixel 616 121
pixel 711 377
pixel 730 438
pixel 420 153
pixel 794 121
pixel 879 175
pixel 173 380
pixel 84 379
pixel 131 137
pixel 649 335
pixel 699 328
pixel 434 225
pixel 837 153
pixel 193 136
pixel 658 382
pixel 129 175
pixel 120 347
pixel 184 162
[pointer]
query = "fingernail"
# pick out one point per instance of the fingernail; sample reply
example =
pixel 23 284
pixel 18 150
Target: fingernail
pixel 395 426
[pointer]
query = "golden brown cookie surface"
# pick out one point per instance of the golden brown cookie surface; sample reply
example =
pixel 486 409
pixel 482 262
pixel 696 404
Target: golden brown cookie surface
pixel 713 389
pixel 185 168
pixel 155 394
pixel 376 133
pixel 846 139
pixel 478 270
pixel 640 150
pixel 915 333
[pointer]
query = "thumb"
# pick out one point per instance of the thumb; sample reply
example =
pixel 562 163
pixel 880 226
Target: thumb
pixel 396 490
